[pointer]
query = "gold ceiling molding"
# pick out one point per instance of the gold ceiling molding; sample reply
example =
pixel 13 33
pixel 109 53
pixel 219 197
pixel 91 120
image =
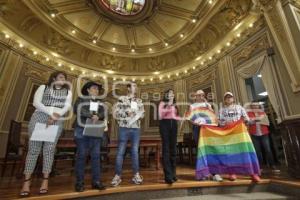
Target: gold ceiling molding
pixel 27 49
pixel 36 73
pixel 246 52
pixel 161 28
pixel 231 19
pixel 202 79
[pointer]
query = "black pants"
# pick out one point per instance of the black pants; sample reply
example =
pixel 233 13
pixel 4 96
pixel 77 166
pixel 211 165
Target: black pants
pixel 168 132
pixel 263 147
pixel 196 134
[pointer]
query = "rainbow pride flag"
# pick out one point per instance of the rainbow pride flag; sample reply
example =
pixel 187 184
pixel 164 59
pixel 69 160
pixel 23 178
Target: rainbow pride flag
pixel 202 116
pixel 226 150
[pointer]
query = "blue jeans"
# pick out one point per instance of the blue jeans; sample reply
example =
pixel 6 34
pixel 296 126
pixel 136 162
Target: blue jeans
pixel 263 149
pixel 125 134
pixel 87 145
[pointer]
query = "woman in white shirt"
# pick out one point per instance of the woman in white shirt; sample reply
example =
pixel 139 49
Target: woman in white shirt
pixel 230 113
pixel 201 102
pixel 51 101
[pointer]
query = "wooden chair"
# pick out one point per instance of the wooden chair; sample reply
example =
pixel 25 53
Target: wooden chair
pixel 187 148
pixel 104 150
pixel 14 155
pixel 64 154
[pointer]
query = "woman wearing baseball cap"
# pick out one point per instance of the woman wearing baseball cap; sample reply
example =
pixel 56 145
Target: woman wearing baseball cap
pixel 201 102
pixel 231 113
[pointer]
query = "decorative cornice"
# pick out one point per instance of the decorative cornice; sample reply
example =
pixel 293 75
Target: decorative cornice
pixel 59 23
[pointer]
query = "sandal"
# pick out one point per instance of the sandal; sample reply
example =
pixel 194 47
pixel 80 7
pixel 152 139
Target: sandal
pixel 25 193
pixel 44 191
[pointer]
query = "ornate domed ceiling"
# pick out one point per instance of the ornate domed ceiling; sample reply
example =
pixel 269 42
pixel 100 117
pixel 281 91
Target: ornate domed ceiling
pixel 127 37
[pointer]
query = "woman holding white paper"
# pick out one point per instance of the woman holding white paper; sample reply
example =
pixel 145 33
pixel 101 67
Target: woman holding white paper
pixel 51 101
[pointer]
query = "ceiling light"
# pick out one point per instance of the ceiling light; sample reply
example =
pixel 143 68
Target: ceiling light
pixel 83 72
pixel 72 68
pixel 228 44
pixel 166 44
pixel 150 49
pixel 151 79
pixel 198 58
pixel 185 71
pixel 115 49
pixel 160 78
pixel 238 35
pixel 34 52
pixel 133 79
pixel 194 20
pixel 263 94
pixel 53 15
pixel 143 80
pixel 47 59
pixel 21 45
pixel 251 25
pixel 194 67
pixel 104 77
pixel 210 58
pixel 110 71
pixel 259 75
pixel 169 76
pixel 181 35
pixel 210 1
pixel 124 79
pixel 7 36
pixel 202 63
pixel 132 50
pixel 177 74
pixel 73 31
pixel 94 41
pixel 59 64
pixel 55 54
pixel 114 79
pixel 94 75
pixel 219 51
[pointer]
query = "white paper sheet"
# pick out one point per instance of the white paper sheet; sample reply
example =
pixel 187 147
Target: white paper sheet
pixel 135 118
pixel 43 133
pixel 94 106
pixel 134 105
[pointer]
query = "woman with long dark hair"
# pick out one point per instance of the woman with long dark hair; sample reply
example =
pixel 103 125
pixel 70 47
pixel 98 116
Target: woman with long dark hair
pixel 51 101
pixel 168 117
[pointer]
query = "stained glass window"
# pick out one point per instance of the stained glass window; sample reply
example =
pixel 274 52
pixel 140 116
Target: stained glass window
pixel 124 7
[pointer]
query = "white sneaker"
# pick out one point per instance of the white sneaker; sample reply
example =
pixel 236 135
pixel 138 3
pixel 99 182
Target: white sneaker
pixel 217 178
pixel 137 179
pixel 116 180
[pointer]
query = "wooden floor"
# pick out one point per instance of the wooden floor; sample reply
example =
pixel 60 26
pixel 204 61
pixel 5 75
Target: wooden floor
pixel 62 186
